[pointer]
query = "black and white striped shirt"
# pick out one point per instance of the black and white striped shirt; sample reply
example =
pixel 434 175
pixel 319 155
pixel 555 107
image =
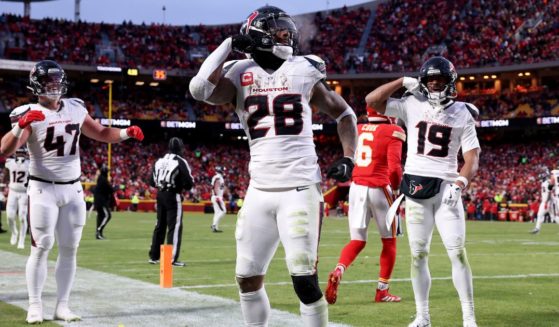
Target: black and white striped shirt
pixel 172 174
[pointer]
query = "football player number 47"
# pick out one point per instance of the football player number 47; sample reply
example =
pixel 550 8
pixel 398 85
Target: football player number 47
pixel 58 144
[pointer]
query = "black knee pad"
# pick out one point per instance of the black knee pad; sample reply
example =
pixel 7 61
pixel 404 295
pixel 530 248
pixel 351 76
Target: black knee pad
pixel 307 288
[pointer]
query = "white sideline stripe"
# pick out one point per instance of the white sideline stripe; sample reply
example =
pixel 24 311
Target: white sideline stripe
pixel 104 299
pixel 368 281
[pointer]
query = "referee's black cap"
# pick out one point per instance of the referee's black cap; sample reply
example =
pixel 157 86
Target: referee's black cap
pixel 176 146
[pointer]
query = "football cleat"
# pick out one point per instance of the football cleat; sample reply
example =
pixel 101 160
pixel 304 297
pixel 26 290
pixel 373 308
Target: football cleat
pixel 64 313
pixel 215 230
pixel 153 261
pixel 384 296
pixel 179 264
pixel 35 314
pixel 334 280
pixel 420 322
pixel 21 245
pixel 535 231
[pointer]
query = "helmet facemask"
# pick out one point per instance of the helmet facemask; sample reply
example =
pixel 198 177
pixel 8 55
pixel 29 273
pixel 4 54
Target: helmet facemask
pixel 442 69
pixel 436 97
pixel 50 84
pixel 273 32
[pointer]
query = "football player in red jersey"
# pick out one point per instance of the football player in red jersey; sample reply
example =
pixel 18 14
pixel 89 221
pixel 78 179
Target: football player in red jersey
pixel 377 174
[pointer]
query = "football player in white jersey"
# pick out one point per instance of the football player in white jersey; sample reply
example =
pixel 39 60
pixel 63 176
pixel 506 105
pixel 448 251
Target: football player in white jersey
pixel 548 188
pixel 16 174
pixel 218 186
pixel 52 128
pixel 273 92
pixel 437 127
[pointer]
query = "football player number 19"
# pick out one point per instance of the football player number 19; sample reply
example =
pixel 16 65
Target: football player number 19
pixel 364 151
pixel 438 135
pixel 286 109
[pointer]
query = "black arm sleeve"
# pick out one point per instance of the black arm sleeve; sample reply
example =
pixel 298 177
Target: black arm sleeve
pixel 185 177
pixel 151 179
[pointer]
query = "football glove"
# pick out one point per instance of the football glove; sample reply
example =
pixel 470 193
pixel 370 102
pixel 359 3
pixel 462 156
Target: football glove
pixel 341 169
pixel 29 117
pixel 452 194
pixel 242 43
pixel 411 84
pixel 135 132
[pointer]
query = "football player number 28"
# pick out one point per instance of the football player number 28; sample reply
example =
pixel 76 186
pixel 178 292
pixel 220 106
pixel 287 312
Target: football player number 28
pixel 364 151
pixel 286 109
pixel 52 143
pixel 437 135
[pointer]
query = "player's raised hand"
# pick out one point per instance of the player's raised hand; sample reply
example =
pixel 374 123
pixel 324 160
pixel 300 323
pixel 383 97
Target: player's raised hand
pixel 341 169
pixel 135 132
pixel 29 117
pixel 452 194
pixel 242 43
pixel 411 84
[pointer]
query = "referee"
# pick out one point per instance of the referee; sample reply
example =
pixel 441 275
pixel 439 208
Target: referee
pixel 171 175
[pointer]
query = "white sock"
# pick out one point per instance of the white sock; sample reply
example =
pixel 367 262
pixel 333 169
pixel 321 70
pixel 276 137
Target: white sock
pixel 36 273
pixel 22 230
pixel 315 314
pixel 255 307
pixel 217 219
pixel 421 282
pixel 462 279
pixel 65 271
pixel 540 220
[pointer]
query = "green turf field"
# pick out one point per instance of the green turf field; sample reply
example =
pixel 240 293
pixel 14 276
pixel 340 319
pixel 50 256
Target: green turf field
pixel 516 274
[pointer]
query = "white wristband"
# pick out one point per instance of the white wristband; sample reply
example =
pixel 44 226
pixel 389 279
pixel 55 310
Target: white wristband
pixel 17 131
pixel 347 112
pixel 124 135
pixel 464 180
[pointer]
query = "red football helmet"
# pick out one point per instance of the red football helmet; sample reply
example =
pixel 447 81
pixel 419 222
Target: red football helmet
pixel 375 118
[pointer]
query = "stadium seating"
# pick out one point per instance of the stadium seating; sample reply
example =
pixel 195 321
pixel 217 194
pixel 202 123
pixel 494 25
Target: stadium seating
pixel 402 34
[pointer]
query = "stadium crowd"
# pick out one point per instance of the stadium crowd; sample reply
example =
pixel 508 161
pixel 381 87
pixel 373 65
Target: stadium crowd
pixel 508 174
pixel 399 35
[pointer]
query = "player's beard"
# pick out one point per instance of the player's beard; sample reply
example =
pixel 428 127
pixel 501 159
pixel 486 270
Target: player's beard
pixel 267 60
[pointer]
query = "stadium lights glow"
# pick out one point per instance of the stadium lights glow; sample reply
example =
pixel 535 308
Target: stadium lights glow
pixel 485 76
pixel 471 78
pixel 154 84
pixel 94 80
pixel 140 83
pixel 493 76
pixel 462 78
pixel 527 74
pixel 108 81
pixel 520 74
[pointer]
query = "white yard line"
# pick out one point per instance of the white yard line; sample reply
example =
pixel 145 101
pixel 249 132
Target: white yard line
pixel 110 300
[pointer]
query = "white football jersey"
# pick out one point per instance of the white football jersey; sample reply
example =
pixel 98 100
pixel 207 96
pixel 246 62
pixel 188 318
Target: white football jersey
pixel 54 142
pixel 19 169
pixel 277 118
pixel 555 175
pixel 221 182
pixel 545 191
pixel 434 135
